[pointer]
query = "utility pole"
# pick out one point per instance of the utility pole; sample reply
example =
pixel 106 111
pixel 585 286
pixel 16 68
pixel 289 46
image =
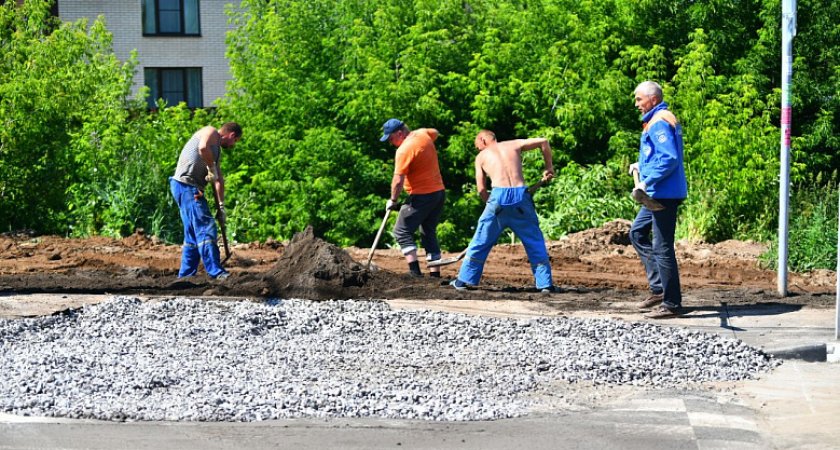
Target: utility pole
pixel 788 32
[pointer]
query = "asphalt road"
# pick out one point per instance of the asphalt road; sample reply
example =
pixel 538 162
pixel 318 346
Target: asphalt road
pixel 795 406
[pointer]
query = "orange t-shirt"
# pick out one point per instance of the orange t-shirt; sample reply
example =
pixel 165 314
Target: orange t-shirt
pixel 417 159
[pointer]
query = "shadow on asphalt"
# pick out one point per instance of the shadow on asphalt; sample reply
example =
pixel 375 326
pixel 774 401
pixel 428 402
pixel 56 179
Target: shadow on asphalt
pixel 726 311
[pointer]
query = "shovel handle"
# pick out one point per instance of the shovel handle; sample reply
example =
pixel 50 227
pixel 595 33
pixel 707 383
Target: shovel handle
pixel 223 229
pixel 376 239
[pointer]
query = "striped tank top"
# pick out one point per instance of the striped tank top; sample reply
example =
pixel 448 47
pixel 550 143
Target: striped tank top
pixel 191 168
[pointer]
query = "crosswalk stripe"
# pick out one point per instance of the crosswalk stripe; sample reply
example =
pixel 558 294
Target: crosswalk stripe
pixel 701 419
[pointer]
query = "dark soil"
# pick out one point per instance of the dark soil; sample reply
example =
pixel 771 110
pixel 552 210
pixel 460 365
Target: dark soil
pixel 597 269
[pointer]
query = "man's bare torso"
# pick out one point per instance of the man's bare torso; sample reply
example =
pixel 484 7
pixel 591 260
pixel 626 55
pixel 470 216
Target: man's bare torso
pixel 502 162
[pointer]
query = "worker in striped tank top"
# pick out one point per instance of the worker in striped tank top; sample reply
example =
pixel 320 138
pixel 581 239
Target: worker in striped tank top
pixel 198 165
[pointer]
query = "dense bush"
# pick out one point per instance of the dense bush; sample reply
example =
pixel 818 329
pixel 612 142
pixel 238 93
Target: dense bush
pixel 813 229
pixel 55 80
pixel 314 81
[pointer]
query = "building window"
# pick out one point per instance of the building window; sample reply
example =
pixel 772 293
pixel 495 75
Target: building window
pixel 174 85
pixel 171 18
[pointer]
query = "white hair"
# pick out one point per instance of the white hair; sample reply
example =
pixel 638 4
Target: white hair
pixel 649 88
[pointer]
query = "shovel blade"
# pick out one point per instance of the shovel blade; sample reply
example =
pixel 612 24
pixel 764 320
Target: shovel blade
pixel 644 199
pixel 447 261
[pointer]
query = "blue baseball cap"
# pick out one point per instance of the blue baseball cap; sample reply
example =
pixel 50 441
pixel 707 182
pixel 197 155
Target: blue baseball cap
pixel 389 127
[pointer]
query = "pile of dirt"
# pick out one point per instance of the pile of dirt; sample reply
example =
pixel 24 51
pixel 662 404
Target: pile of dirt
pixel 309 268
pixel 140 240
pixel 611 234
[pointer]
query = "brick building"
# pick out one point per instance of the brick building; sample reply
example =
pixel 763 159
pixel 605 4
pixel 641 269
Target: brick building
pixel 180 44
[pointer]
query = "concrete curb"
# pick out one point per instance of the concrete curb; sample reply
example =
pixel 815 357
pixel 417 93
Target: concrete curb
pixel 809 353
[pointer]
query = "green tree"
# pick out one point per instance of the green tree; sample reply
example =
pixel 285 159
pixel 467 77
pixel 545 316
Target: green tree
pixel 55 80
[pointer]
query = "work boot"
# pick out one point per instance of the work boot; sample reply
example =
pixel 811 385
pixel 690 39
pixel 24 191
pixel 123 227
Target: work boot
pixel 663 312
pixel 223 276
pixel 414 269
pixel 458 284
pixel 650 302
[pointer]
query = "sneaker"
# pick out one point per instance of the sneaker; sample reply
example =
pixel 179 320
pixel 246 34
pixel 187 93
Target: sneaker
pixel 549 290
pixel 415 274
pixel 663 312
pixel 458 284
pixel 650 302
pixel 223 276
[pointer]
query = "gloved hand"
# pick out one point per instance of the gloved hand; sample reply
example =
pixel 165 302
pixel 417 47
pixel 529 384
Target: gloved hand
pixel 212 174
pixel 392 205
pixel 221 216
pixel 633 168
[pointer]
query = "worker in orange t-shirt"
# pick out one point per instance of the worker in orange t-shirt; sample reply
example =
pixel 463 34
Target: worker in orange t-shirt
pixel 416 170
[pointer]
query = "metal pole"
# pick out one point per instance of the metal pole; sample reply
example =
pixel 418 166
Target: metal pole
pixel 788 32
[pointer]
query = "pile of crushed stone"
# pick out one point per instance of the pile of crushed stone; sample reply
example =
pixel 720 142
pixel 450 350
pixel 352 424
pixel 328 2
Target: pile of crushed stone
pixel 196 360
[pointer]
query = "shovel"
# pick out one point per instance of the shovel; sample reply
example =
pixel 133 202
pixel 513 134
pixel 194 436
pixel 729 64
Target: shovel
pixel 643 198
pixel 447 261
pixel 223 229
pixel 376 239
pixel 453 259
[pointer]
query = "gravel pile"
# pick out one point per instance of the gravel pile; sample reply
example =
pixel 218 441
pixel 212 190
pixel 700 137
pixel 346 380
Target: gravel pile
pixel 198 360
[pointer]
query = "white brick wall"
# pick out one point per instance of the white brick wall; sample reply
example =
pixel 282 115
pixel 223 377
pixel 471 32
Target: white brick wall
pixel 123 18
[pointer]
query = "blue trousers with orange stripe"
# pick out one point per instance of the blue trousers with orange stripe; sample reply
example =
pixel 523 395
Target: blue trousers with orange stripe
pixel 200 235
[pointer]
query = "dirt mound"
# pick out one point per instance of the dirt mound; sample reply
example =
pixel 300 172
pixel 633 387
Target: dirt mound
pixel 140 240
pixel 614 233
pixel 309 268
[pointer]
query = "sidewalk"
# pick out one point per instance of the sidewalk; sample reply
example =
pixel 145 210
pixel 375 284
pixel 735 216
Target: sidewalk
pixel 787 331
pixel 783 330
pixel 796 406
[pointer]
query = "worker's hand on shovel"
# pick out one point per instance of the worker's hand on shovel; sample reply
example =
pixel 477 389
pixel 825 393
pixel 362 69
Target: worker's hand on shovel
pixel 212 174
pixel 547 176
pixel 391 205
pixel 221 216
pixel 634 172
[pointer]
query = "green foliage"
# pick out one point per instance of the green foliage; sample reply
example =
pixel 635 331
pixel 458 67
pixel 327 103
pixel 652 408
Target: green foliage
pixel 813 229
pixel 55 80
pixel 322 180
pixel 581 198
pixel 731 149
pixel 122 182
pixel 315 80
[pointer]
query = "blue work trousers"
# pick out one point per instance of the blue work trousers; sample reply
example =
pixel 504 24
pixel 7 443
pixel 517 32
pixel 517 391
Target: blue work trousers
pixel 507 208
pixel 200 236
pixel 658 255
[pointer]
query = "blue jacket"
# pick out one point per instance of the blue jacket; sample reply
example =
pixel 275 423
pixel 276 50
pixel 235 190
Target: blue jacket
pixel 661 155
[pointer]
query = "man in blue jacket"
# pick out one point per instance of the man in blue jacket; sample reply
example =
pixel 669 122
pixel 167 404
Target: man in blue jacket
pixel 662 176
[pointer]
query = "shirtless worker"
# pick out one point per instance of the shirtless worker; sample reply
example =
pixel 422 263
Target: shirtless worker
pixel 509 205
